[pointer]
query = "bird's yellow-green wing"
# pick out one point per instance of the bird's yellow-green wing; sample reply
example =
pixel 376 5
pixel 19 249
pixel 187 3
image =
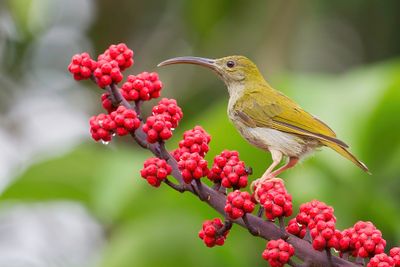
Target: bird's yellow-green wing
pixel 272 109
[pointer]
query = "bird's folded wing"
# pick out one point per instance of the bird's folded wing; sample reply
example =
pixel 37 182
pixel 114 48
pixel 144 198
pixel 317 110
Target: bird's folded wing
pixel 256 110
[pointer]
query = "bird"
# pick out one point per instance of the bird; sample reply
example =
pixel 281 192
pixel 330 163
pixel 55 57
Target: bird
pixel 266 118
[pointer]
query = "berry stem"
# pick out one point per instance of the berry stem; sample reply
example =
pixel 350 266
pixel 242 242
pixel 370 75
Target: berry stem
pixel 282 223
pixel 307 237
pixel 216 186
pixel 118 97
pixel 111 97
pixel 260 211
pixel 282 227
pixel 294 264
pixel 329 256
pixel 227 226
pixel 360 261
pixel 176 187
pixel 138 108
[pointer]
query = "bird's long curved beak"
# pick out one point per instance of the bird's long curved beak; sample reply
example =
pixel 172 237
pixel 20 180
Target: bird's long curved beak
pixel 206 62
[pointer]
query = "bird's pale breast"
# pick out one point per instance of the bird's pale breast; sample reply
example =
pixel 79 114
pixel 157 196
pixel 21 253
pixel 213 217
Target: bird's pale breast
pixel 266 138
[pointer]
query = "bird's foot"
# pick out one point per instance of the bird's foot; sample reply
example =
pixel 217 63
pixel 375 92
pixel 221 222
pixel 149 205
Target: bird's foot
pixel 257 184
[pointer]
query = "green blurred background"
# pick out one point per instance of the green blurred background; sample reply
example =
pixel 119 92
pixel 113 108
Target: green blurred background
pixel 67 201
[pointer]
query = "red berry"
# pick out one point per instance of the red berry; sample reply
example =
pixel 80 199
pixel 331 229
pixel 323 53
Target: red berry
pixel 395 254
pixel 210 233
pixel 143 86
pixel 381 260
pixel 278 252
pixel 155 170
pixel 120 53
pixel 314 211
pixel 219 163
pixel 325 235
pixel 102 127
pixel 229 170
pixel 170 109
pixel 107 72
pixel 238 203
pixel 296 229
pixel 157 128
pixel 275 199
pixel 195 140
pixel 126 120
pixel 362 240
pixel 106 103
pixel 319 219
pixel 82 66
pixel 192 166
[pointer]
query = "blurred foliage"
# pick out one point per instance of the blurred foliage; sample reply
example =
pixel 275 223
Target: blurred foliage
pixel 339 60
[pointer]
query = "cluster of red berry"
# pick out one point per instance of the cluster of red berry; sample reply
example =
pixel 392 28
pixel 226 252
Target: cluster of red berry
pixel 229 170
pixel 157 129
pixel 102 127
pixel 319 219
pixel 278 252
pixel 191 152
pixel 275 199
pixel 195 140
pixel 192 166
pixel 210 233
pixel 107 70
pixel 362 240
pixel 384 260
pixel 381 260
pixel 126 120
pixel 82 66
pixel 170 110
pixel 121 122
pixel 155 171
pixel 144 86
pixel 238 204
pixel 119 53
pixel 395 254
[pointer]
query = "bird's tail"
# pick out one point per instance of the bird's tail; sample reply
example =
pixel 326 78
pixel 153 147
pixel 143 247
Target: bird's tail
pixel 345 153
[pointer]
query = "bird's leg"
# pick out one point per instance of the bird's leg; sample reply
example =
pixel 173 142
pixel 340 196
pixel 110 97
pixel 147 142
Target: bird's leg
pixel 276 159
pixel 292 161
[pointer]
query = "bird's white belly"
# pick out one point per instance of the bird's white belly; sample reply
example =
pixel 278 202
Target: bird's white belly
pixel 270 139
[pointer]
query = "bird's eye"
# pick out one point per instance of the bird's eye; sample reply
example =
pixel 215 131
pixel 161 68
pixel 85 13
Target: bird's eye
pixel 230 64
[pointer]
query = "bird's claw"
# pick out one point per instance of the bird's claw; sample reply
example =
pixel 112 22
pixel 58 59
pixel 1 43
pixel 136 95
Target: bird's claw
pixel 256 184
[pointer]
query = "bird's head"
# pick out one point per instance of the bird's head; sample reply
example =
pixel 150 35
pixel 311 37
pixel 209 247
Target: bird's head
pixel 233 70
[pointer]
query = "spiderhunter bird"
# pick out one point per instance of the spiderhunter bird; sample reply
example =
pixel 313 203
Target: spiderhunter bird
pixel 266 118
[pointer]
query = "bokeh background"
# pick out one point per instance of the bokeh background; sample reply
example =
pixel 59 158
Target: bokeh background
pixel 69 202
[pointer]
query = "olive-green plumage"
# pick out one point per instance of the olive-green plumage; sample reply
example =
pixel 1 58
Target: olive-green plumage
pixel 267 118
